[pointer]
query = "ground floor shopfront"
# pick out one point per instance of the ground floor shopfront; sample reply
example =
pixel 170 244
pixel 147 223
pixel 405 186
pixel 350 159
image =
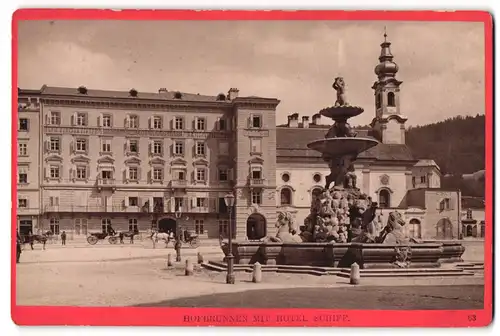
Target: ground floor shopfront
pixel 209 226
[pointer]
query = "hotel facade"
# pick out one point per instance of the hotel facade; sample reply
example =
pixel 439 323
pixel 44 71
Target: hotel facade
pixel 90 158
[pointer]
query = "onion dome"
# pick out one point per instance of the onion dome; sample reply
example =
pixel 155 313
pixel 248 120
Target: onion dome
pixel 386 68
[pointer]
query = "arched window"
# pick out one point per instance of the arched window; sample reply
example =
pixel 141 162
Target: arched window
pixel 378 101
pixel 391 100
pixel 316 191
pixel 414 228
pixel 286 196
pixel 384 198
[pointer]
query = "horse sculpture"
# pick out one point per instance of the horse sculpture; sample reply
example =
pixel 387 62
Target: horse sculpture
pixel 287 232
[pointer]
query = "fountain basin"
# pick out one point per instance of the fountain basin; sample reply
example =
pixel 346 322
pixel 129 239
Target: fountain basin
pixel 423 255
pixel 452 250
pixel 337 147
pixel 341 112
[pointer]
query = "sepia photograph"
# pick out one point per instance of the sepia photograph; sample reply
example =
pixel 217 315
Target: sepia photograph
pixel 330 164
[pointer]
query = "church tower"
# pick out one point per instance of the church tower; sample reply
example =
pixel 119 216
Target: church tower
pixel 388 123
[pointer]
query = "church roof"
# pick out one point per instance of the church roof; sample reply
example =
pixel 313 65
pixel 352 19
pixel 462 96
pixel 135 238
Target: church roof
pixel 470 202
pixel 292 142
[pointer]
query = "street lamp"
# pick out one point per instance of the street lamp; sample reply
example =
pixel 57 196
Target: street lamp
pixel 229 200
pixel 177 246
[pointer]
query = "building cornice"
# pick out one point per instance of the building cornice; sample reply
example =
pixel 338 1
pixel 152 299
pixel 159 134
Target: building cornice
pixel 156 104
pixel 135 104
pixel 115 131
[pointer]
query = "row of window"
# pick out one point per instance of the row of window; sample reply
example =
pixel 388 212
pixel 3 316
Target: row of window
pixel 81 225
pixel 132 121
pixel 131 174
pixel 286 177
pixel 132 146
pixel 391 99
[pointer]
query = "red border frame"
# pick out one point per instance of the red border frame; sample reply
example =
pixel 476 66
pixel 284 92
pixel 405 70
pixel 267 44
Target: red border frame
pixel 126 316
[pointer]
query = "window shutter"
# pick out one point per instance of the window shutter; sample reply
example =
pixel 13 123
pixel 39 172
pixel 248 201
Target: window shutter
pixel 47 172
pixel 126 122
pixel 47 119
pixel 100 120
pixel 438 205
pixel 71 173
pixel 125 202
pixel 171 124
pixel 452 204
pixel 72 147
pixel 27 203
pixel 217 124
pixel 47 145
pixel 250 122
pixel 125 175
pixel 139 173
pixel 73 119
pixel 230 174
pixel 194 122
pixel 193 203
pixel 150 175
pixel 150 123
pixel 150 147
pixel 57 201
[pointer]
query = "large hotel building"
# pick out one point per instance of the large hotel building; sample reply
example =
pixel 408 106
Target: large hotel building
pixel 91 158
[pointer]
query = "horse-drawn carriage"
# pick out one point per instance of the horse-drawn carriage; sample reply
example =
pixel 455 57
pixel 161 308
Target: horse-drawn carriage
pixel 94 237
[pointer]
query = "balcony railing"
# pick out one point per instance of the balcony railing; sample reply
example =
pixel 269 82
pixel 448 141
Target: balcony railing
pixel 256 182
pixel 106 183
pixel 178 183
pixel 188 205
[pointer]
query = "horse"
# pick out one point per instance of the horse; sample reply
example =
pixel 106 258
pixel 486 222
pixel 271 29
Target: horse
pixel 36 239
pixel 156 236
pixel 128 234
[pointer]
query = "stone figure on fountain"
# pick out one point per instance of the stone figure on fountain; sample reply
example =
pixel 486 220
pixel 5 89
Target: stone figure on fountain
pixel 339 86
pixel 287 233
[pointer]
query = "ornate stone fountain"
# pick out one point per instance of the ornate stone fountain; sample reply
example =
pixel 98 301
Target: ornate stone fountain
pixel 342 227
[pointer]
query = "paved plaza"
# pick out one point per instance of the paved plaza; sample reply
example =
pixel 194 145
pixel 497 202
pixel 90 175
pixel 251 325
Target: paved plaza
pixel 130 275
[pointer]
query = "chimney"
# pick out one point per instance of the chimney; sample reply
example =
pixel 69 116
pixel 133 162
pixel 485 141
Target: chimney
pixel 316 119
pixel 293 120
pixel 233 93
pixel 162 90
pixel 305 121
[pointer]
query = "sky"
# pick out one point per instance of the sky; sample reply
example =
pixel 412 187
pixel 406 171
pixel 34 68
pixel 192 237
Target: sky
pixel 441 64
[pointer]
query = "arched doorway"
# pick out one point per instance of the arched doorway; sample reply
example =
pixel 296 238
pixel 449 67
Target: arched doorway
pixel 256 227
pixel 384 198
pixel 468 231
pixel 444 229
pixel 414 228
pixel 167 224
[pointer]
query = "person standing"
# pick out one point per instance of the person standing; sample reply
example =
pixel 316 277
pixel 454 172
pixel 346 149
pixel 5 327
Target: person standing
pixel 63 237
pixel 18 247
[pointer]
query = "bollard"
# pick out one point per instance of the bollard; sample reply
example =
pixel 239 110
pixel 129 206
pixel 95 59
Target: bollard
pixel 257 272
pixel 170 262
pixel 200 258
pixel 189 267
pixel 355 274
pixel 177 248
